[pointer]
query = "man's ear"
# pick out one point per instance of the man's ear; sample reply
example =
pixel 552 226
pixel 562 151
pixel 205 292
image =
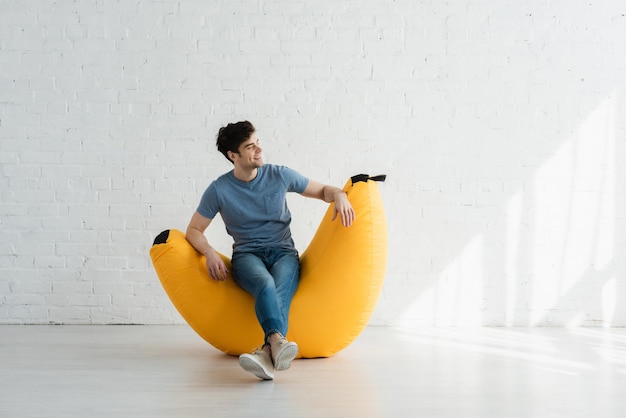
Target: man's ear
pixel 231 155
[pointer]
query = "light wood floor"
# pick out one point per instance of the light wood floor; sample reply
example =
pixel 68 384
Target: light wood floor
pixel 168 371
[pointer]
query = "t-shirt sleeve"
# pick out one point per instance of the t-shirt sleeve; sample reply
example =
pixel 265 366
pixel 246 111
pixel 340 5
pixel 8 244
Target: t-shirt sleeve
pixel 209 204
pixel 295 181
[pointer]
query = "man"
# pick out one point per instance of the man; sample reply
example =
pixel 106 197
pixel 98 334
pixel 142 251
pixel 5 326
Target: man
pixel 251 200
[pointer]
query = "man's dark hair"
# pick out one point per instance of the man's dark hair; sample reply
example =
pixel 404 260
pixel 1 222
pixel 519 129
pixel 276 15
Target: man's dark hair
pixel 231 136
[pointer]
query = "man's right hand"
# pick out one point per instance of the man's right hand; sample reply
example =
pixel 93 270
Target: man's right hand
pixel 195 235
pixel 215 266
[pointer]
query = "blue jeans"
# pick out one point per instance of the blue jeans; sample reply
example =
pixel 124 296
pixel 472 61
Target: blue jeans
pixel 270 275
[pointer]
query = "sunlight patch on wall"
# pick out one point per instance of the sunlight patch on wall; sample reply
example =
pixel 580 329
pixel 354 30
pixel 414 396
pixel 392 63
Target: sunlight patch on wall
pixel 573 223
pixel 609 301
pixel 456 299
pixel 513 236
pixel 558 245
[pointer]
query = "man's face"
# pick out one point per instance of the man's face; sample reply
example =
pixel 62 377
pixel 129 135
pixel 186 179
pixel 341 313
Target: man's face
pixel 250 153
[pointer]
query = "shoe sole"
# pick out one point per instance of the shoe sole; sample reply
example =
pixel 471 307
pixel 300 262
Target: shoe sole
pixel 255 368
pixel 285 357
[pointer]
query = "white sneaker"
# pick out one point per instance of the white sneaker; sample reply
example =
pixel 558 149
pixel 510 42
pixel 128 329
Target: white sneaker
pixel 283 352
pixel 259 363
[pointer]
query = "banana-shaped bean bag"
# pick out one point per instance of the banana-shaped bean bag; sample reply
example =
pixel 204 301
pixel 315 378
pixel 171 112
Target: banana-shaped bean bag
pixel 342 272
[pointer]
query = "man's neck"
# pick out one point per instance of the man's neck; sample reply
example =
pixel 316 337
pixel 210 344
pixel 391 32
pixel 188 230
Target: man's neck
pixel 246 175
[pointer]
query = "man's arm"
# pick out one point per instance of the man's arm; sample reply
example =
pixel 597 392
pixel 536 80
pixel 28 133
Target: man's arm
pixel 195 235
pixel 329 194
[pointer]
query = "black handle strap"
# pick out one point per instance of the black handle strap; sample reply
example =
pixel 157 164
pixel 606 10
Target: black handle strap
pixel 366 177
pixel 162 237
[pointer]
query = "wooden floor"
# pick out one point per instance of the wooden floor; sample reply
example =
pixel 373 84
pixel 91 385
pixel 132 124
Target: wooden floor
pixel 168 371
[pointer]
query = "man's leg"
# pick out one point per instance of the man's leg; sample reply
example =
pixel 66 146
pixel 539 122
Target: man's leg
pixel 285 269
pixel 273 291
pixel 250 273
pixel 286 273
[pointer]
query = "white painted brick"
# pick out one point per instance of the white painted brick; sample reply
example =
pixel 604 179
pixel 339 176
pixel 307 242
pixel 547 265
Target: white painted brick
pixel 154 315
pixel 44 261
pixel 73 287
pixel 80 236
pixel 115 263
pixel 132 301
pixel 120 288
pixel 68 315
pixel 109 315
pixel 24 299
pixel 27 314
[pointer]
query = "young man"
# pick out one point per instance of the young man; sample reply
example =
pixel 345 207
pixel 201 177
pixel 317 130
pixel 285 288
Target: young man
pixel 251 201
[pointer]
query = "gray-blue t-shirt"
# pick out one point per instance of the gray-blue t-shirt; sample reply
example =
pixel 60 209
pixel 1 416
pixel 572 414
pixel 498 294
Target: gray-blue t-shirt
pixel 255 213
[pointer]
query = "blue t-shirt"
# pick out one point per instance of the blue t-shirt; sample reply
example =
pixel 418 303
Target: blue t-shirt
pixel 255 213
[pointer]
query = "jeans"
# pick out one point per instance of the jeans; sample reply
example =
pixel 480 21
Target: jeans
pixel 271 275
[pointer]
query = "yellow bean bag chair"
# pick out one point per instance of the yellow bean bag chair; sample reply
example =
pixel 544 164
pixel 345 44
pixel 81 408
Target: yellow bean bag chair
pixel 342 272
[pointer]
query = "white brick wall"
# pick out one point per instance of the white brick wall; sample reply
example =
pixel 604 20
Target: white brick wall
pixel 499 124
